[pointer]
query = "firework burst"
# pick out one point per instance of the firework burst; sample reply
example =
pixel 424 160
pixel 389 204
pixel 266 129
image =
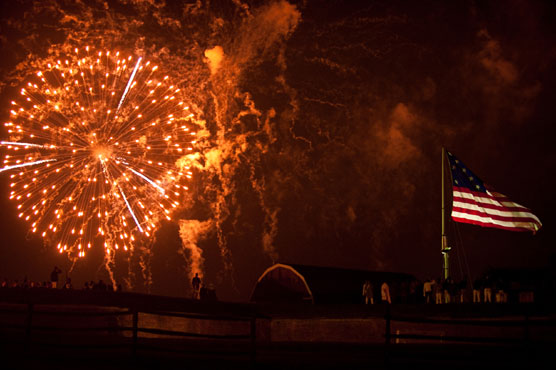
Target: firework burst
pixel 93 141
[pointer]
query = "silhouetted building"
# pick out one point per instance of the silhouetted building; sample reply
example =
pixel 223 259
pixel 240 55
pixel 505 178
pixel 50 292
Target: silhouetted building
pixel 313 284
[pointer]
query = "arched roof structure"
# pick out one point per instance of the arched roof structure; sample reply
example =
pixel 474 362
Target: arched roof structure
pixel 282 282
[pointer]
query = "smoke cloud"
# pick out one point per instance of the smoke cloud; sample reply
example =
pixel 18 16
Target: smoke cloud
pixel 492 60
pixel 318 124
pixel 214 58
pixel 191 232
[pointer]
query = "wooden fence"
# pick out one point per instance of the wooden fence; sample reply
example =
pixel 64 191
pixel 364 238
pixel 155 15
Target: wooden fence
pixel 524 322
pixel 127 323
pixel 123 325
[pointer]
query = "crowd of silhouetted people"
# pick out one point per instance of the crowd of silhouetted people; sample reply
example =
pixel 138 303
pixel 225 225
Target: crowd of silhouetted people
pixel 432 291
pixel 99 285
pixel 205 292
pixel 53 283
pixel 447 291
pixel 484 290
pixel 202 291
pixel 30 284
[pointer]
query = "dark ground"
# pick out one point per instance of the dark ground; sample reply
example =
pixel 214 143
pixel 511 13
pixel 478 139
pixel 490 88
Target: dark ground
pixel 62 336
pixel 285 356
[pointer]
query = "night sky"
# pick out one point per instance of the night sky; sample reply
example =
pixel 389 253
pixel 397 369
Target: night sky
pixel 322 134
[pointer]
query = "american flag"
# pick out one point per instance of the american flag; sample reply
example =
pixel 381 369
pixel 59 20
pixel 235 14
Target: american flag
pixel 476 203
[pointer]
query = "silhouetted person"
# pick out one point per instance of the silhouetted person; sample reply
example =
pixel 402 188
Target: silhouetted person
pixel 500 294
pixel 368 292
pixel 54 277
pixel 477 285
pixel 447 288
pixel 203 293
pixel 487 290
pixel 385 293
pixel 427 290
pixel 461 290
pixel 196 284
pixel 437 291
pixel 100 285
pixel 68 284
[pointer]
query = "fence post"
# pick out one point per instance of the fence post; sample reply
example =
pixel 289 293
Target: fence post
pixel 526 329
pixel 28 323
pixel 253 336
pixel 387 335
pixel 387 317
pixel 135 319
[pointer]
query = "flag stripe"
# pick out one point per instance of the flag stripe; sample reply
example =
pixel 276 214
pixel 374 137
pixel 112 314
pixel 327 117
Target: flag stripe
pixel 484 221
pixel 476 203
pixel 486 198
pixel 470 202
pixel 492 193
pixel 510 217
pixel 490 206
pixel 489 224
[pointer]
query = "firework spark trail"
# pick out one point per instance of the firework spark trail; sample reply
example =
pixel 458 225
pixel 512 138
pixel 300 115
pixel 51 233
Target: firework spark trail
pixel 7 168
pixel 145 264
pixel 128 85
pixel 130 209
pixel 270 218
pixel 109 264
pixel 232 150
pixel 23 144
pixel 158 187
pixel 87 161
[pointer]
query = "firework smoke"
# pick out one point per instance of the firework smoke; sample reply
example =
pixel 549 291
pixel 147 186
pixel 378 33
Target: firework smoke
pixel 317 125
pixel 191 231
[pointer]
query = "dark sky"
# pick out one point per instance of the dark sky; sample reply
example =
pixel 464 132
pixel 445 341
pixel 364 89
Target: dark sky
pixel 323 128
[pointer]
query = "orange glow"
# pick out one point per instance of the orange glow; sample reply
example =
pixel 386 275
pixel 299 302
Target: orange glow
pixel 91 117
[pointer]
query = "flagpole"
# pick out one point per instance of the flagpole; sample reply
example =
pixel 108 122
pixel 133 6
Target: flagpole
pixel 444 245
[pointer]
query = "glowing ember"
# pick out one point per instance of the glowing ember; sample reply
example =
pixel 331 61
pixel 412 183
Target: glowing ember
pixel 93 141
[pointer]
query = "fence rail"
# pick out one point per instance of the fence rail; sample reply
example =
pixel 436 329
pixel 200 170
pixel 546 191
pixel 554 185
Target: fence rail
pixel 31 315
pixel 525 322
pixel 123 322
